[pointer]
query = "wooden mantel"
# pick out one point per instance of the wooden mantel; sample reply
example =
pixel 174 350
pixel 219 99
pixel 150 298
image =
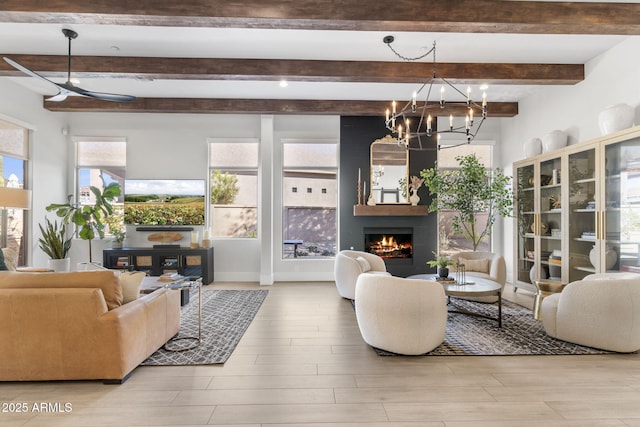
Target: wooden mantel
pixel 390 210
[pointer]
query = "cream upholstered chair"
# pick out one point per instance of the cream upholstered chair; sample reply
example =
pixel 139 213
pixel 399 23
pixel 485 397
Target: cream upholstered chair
pixel 404 316
pixel 486 265
pixel 600 311
pixel 350 264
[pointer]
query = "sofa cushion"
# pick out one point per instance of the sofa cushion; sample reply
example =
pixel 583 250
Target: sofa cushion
pixel 480 265
pixel 131 282
pixel 363 263
pixel 106 280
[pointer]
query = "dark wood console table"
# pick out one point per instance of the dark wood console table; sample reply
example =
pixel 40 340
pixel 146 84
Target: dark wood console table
pixel 156 261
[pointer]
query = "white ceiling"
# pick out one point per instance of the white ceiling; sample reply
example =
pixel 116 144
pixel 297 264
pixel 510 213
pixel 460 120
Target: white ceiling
pixel 111 40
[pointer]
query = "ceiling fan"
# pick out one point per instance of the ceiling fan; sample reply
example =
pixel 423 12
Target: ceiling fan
pixel 68 88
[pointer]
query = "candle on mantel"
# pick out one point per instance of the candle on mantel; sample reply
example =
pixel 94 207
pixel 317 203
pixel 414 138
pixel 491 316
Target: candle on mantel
pixel 194 237
pixel 205 234
pixel 359 175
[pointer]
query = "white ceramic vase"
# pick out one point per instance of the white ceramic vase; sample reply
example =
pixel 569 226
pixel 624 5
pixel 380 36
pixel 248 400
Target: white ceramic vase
pixel 414 198
pixel 532 147
pixel 554 140
pixel 615 117
pixel 610 257
pixel 60 264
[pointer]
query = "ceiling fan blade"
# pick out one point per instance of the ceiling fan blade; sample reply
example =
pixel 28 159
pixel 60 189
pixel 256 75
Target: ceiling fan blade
pixel 27 71
pixel 75 90
pixel 68 89
pixel 59 97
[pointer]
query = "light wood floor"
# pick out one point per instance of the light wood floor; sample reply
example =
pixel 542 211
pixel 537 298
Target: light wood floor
pixel 303 363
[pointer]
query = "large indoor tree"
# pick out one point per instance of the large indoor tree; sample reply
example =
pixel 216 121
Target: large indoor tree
pixel 469 192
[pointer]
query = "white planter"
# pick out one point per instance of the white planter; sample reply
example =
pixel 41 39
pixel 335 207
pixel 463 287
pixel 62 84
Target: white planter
pixel 615 117
pixel 554 140
pixel 60 264
pixel 532 147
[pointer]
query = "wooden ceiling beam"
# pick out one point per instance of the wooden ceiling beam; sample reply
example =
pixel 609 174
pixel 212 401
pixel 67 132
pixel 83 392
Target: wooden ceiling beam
pixel 54 66
pixel 254 106
pixel 477 16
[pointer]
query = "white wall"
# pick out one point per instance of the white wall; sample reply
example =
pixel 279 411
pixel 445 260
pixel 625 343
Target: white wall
pixel 610 78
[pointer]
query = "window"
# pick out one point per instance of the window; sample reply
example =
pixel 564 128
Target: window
pixel 309 218
pixel 14 154
pixel 233 166
pixel 98 161
pixel 448 242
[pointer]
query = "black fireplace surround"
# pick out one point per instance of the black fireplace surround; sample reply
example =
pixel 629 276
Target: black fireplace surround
pixel 356 136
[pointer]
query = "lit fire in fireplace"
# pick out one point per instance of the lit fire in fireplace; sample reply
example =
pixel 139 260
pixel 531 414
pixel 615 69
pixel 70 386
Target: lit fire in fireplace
pixel 389 247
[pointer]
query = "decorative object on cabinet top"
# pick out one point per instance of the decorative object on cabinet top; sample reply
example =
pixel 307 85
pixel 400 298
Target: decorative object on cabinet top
pixel 532 147
pixel 615 118
pixel 554 140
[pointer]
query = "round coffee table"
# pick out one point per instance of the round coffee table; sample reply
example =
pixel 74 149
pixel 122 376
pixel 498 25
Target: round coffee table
pixel 475 287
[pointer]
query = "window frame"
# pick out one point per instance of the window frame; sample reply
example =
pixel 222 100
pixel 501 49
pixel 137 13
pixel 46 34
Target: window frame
pixel 287 168
pixel 238 168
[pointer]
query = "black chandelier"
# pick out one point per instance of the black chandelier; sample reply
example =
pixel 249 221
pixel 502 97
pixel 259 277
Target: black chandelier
pixel 419 136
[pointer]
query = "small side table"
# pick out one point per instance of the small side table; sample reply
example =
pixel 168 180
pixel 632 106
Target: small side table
pixel 544 288
pixel 195 340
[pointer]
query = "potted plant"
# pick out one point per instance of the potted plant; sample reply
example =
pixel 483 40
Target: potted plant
pixel 472 193
pixel 118 238
pixel 89 219
pixel 442 263
pixel 55 244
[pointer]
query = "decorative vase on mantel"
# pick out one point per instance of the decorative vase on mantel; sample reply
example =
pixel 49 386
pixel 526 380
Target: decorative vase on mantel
pixel 414 198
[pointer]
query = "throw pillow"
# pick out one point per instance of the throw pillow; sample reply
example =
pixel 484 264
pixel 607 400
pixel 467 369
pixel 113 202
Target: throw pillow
pixel 479 265
pixel 363 263
pixel 131 282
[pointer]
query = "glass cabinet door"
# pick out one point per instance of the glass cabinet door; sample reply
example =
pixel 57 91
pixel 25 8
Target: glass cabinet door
pixel 550 220
pixel 583 213
pixel 525 214
pixel 620 223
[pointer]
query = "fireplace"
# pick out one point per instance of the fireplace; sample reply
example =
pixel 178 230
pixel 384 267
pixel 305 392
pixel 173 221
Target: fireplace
pixel 389 243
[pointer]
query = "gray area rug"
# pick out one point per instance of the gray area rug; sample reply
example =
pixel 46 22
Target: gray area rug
pixel 226 315
pixel 520 334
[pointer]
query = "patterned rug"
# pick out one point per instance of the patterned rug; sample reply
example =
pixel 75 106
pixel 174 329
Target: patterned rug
pixel 520 334
pixel 226 315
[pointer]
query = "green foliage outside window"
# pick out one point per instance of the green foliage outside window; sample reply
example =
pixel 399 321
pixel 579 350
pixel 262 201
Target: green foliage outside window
pixel 224 188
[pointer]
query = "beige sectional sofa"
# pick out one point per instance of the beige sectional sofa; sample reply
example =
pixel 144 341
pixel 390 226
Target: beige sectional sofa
pixel 73 326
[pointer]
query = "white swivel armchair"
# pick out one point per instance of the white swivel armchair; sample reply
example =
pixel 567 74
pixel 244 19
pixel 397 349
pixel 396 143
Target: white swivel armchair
pixel 600 311
pixel 404 316
pixel 486 265
pixel 350 264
